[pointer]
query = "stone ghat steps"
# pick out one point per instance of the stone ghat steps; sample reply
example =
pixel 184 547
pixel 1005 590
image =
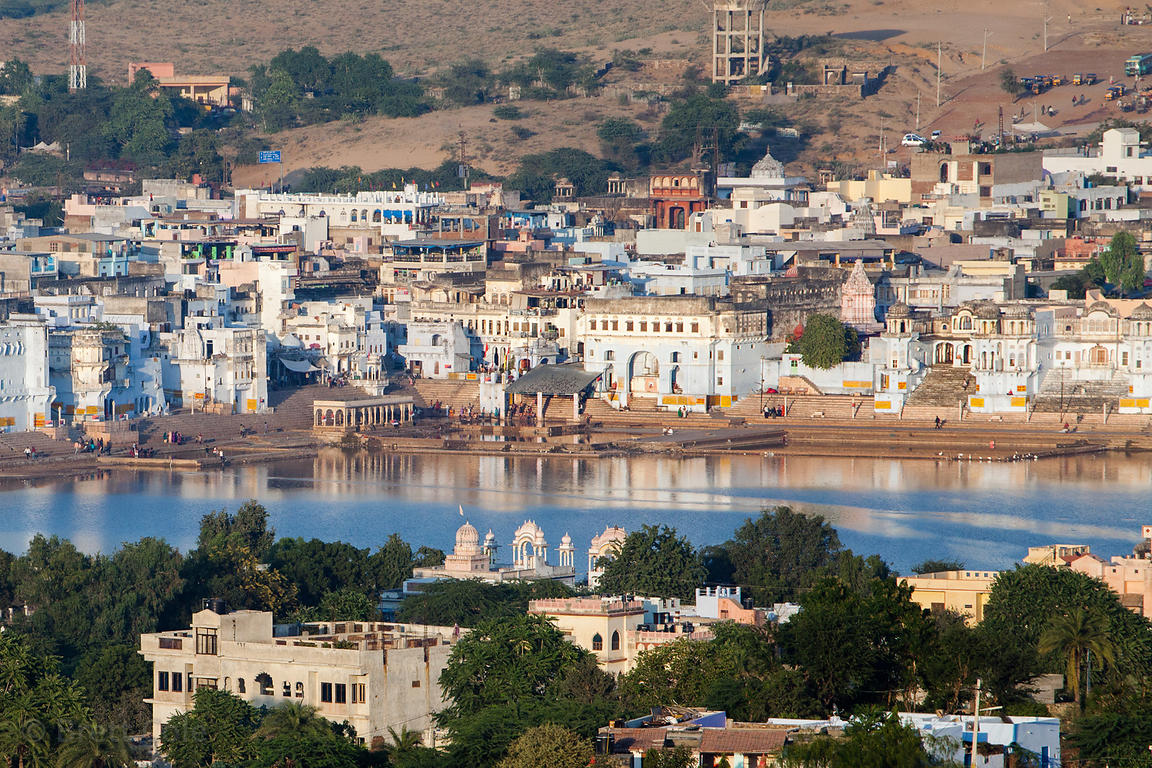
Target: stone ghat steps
pixel 1061 393
pixel 452 393
pixel 943 386
pixel 12 446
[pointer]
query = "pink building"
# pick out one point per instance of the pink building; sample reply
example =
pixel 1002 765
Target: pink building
pixel 1129 577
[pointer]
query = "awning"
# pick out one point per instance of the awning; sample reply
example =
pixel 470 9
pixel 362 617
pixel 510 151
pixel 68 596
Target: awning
pixel 299 366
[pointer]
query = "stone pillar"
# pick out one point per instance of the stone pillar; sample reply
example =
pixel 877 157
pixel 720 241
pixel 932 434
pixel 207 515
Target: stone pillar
pixel 575 406
pixel 539 409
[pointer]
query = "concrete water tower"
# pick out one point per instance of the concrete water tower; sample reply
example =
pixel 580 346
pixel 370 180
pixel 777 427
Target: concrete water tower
pixel 737 39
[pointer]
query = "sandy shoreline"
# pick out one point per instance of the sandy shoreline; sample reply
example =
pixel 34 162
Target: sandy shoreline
pixel 784 437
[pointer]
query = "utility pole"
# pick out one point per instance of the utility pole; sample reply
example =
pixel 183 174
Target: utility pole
pixel 984 55
pixel 917 110
pixel 1047 19
pixel 939 63
pixel 975 724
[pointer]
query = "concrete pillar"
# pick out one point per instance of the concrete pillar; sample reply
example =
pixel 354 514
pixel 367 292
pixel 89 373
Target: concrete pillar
pixel 539 408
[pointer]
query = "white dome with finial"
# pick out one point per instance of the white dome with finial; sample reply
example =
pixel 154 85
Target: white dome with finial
pixel 566 540
pixel 467 540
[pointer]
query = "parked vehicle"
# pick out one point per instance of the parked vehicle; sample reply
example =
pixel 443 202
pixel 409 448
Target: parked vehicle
pixel 913 140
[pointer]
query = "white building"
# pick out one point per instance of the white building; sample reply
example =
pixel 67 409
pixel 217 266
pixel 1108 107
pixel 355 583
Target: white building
pixel 25 392
pixel 1121 155
pixel 472 560
pixel 222 369
pixel 681 351
pixel 435 350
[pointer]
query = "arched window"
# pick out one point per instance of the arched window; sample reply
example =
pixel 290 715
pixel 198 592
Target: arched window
pixel 615 641
pixel 299 690
pixel 264 682
pixel 240 685
pixel 353 215
pixel 597 642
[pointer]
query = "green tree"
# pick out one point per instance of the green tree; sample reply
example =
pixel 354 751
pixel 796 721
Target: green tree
pixel 1021 607
pixel 504 662
pixel 140 123
pixel 116 680
pixel 937 566
pixel 826 342
pixel 1082 638
pixel 548 746
pixel 653 561
pixel 695 116
pixel 15 77
pixel 391 565
pixel 1122 263
pixel 780 553
pixel 468 82
pixel 1011 84
pixel 218 729
pixel 855 645
pixel 670 757
pixel 618 139
pixel 93 746
pixel 872 739
pixel 347 604
pixel 468 602
pixel 248 529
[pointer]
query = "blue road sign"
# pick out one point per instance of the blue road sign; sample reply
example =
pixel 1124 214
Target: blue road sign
pixel 270 156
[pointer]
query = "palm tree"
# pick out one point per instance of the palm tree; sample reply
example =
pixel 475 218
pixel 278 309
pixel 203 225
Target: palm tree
pixel 93 746
pixel 403 743
pixel 1074 636
pixel 293 718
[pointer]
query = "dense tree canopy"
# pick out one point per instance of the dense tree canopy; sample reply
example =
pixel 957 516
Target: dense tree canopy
pixel 653 561
pixel 826 342
pixel 778 554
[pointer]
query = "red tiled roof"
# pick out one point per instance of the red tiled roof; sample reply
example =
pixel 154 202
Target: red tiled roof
pixel 743 741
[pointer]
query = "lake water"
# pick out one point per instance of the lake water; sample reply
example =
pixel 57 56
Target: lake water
pixel 906 511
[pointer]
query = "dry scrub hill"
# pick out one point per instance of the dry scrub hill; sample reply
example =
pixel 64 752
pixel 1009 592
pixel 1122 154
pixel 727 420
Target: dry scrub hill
pixel 226 36
pixel 418 38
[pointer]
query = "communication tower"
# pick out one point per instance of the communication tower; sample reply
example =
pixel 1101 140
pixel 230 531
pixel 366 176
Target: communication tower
pixel 77 59
pixel 737 39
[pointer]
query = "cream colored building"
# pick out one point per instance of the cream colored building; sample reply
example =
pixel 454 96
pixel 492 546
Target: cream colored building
pixel 617 630
pixel 963 592
pixel 877 187
pixel 1055 554
pixel 374 676
pixel 600 625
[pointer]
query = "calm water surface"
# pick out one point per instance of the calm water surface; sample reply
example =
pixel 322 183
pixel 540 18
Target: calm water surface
pixel 983 514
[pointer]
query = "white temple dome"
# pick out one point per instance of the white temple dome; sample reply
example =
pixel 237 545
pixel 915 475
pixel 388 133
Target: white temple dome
pixel 467 540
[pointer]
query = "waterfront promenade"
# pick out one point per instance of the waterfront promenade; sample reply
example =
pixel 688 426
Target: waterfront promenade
pixel 817 426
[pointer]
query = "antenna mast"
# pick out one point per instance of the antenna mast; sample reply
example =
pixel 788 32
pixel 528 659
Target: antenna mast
pixel 78 59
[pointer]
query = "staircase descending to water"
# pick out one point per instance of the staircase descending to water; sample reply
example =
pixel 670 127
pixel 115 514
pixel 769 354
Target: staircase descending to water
pixel 1063 393
pixel 943 387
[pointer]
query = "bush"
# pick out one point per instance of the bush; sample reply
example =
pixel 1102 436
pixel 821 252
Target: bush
pixel 507 112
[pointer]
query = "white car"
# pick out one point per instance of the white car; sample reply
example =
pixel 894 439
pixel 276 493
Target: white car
pixel 913 140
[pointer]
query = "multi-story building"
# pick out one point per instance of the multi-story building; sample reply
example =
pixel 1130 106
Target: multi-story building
pixel 374 676
pixel 964 592
pixel 223 369
pixel 25 392
pixel 681 351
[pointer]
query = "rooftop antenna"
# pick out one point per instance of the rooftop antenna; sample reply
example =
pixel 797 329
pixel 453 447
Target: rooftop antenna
pixel 77 59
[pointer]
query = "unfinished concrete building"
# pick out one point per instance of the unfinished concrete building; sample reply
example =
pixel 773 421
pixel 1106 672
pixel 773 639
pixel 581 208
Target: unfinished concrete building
pixel 737 39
